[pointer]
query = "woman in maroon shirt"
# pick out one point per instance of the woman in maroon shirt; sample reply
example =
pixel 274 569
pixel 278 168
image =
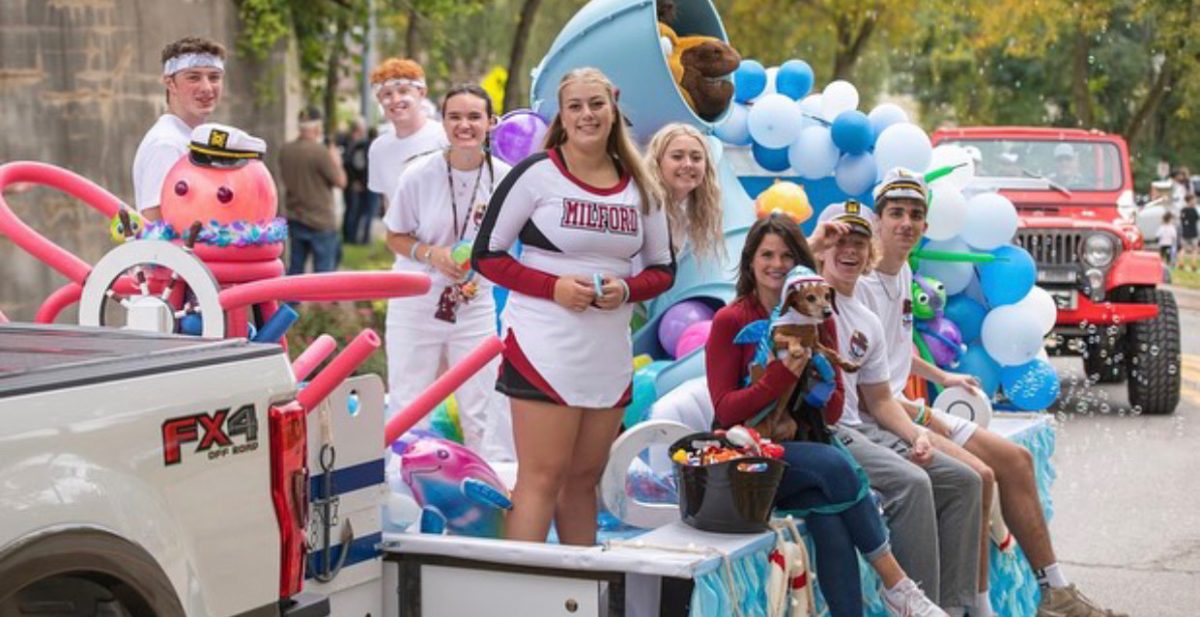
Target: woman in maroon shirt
pixel 819 479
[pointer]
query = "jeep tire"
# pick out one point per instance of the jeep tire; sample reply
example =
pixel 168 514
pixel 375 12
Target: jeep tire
pixel 1152 355
pixel 1104 358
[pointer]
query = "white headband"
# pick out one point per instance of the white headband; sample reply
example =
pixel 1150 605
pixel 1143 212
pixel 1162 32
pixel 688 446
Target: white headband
pixel 192 61
pixel 416 83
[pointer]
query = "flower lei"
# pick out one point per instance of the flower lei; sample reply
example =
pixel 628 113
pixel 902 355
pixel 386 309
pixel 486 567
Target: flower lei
pixel 213 233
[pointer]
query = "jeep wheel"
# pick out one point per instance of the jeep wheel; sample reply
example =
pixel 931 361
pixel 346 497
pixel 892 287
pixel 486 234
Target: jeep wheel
pixel 1104 358
pixel 1152 355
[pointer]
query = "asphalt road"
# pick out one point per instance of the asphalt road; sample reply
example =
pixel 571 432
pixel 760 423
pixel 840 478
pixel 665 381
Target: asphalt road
pixel 1126 520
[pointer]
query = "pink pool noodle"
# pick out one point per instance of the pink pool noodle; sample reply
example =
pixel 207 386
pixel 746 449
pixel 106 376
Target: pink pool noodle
pixel 438 391
pixel 327 287
pixel 33 242
pixel 338 370
pixel 313 356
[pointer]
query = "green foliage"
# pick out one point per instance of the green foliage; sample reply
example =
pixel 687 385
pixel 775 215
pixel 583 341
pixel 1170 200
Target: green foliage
pixel 342 321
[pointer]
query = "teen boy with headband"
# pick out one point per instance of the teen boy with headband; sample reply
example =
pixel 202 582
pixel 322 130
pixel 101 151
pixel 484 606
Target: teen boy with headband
pixel 399 86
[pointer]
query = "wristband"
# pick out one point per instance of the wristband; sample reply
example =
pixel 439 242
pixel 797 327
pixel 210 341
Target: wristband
pixel 921 420
pixel 625 288
pixel 412 252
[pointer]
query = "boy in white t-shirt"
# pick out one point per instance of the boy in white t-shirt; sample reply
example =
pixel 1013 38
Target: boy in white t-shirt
pixel 901 205
pixel 193 74
pixel 399 86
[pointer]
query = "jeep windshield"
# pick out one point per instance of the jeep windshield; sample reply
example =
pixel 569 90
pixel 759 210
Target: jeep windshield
pixel 1046 164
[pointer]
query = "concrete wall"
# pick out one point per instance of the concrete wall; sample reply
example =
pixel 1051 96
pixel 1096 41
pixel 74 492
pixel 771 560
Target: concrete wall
pixel 80 85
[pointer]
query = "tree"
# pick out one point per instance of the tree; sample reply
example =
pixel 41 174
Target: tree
pixel 516 56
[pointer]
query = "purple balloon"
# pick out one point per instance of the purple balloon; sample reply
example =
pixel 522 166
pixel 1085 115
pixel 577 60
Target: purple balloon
pixel 519 133
pixel 678 318
pixel 943 340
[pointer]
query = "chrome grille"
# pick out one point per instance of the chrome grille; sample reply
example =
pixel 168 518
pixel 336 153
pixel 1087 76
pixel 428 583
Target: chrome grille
pixel 1050 247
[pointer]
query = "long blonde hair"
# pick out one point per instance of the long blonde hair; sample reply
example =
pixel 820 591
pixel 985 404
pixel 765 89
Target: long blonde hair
pixel 701 221
pixel 620 145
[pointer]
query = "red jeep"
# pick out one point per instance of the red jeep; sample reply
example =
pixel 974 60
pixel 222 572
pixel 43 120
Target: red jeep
pixel 1073 190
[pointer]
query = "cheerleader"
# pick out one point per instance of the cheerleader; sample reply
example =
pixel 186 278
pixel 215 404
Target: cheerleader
pixel 584 209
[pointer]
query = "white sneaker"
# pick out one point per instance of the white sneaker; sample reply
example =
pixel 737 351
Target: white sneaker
pixel 907 600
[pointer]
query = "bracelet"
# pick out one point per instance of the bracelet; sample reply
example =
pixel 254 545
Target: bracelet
pixel 412 252
pixel 625 289
pixel 921 418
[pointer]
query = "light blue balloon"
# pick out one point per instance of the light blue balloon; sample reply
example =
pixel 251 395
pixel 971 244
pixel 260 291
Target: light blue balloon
pixel 967 314
pixel 855 174
pixel 1033 386
pixel 851 132
pixel 885 115
pixel 1009 278
pixel 954 275
pixel 976 361
pixel 770 159
pixel 813 155
pixel 991 221
pixel 1010 337
pixel 735 129
pixel 749 80
pixel 794 79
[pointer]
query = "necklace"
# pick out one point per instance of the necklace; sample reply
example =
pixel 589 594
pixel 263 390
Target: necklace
pixel 454 196
pixel 886 286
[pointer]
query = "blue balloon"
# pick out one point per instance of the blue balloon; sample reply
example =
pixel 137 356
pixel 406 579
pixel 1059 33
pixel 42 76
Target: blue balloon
pixel 855 174
pixel 645 392
pixel 1007 279
pixel 976 361
pixel 771 159
pixel 1032 386
pixel 852 132
pixel 735 129
pixel 967 314
pixel 794 79
pixel 749 80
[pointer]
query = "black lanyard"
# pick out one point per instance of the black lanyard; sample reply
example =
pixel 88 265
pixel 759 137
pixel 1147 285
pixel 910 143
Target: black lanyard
pixel 454 200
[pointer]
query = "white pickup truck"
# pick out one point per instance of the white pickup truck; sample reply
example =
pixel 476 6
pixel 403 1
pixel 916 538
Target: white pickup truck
pixel 147 474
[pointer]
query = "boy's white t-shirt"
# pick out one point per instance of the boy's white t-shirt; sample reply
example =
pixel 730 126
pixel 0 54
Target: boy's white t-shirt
pixel 164 144
pixel 388 155
pixel 861 339
pixel 890 297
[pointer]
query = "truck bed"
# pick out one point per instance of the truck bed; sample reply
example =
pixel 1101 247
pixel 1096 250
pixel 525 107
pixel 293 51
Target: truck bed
pixel 46 357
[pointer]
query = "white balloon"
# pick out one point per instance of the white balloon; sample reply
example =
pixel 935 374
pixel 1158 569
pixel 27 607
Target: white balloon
pixel 1010 337
pixel 954 276
pixel 951 154
pixel 947 213
pixel 1039 305
pixel 855 174
pixel 902 145
pixel 837 97
pixel 811 107
pixel 735 128
pixel 885 115
pixel 991 221
pixel 774 121
pixel 813 155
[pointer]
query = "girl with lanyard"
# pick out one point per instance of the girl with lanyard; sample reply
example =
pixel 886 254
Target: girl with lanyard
pixel 819 479
pixel 439 203
pixel 679 159
pixel 584 210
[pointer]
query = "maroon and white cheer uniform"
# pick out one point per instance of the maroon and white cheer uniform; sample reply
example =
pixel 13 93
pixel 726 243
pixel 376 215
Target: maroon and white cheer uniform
pixel 569 228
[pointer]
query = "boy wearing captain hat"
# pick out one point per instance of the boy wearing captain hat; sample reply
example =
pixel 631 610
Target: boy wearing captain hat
pixel 193 73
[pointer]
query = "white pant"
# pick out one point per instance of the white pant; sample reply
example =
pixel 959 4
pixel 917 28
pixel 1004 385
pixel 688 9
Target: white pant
pixel 416 345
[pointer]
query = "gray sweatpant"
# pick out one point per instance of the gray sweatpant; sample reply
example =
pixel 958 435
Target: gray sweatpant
pixel 933 513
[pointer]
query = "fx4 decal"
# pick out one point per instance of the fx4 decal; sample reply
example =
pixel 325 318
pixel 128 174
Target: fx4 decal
pixel 213 433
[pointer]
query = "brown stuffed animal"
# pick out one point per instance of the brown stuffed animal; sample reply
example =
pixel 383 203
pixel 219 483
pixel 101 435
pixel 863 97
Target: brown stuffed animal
pixel 700 66
pixel 806 304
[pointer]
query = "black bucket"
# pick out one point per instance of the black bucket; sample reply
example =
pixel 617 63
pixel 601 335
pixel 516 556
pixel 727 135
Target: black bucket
pixel 729 497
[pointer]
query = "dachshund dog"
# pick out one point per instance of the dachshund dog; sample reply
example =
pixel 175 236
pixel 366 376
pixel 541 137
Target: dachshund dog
pixel 807 303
